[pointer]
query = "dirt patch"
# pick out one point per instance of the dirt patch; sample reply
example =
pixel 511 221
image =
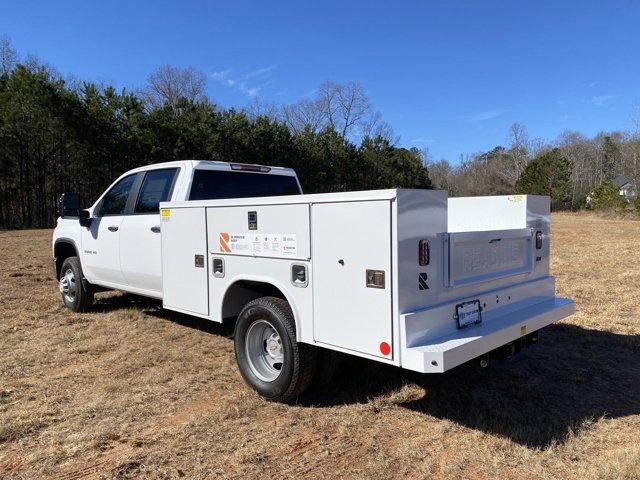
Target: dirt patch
pixel 131 391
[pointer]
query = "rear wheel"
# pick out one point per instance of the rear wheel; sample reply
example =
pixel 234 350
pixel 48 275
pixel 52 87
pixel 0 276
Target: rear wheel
pixel 76 294
pixel 270 359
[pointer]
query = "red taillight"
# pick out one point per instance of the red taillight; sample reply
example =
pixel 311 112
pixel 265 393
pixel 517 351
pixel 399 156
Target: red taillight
pixel 538 240
pixel 423 253
pixel 250 168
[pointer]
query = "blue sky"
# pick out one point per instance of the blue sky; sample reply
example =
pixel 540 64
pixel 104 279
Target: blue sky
pixel 448 75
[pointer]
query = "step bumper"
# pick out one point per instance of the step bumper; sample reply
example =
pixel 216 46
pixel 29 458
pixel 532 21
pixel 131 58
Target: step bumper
pixel 451 350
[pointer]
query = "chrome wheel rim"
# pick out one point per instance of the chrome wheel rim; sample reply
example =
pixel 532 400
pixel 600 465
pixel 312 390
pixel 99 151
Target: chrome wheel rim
pixel 263 348
pixel 67 285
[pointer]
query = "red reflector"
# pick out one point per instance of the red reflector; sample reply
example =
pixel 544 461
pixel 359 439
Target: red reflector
pixel 423 253
pixel 250 168
pixel 538 240
pixel 385 348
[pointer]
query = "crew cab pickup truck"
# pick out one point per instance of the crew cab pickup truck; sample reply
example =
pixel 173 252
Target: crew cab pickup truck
pixel 409 278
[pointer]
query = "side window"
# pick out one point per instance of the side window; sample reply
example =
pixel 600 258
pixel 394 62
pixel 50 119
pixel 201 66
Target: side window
pixel 115 200
pixel 156 188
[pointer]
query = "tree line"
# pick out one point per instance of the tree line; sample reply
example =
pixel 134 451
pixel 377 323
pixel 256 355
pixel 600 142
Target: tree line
pixel 60 135
pixel 568 169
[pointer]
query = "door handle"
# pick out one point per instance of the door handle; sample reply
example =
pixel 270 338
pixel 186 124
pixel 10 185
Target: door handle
pixel 155 229
pixel 113 228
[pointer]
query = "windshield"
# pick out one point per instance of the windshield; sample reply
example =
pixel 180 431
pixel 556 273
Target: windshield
pixel 220 184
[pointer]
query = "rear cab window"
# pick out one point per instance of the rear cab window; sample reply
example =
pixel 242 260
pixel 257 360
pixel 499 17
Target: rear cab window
pixel 221 184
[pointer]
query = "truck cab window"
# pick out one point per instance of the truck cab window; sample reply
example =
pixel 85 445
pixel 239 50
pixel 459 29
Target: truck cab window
pixel 115 200
pixel 156 188
pixel 220 184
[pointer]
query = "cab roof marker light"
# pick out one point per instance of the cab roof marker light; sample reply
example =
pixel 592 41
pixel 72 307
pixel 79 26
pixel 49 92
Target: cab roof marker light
pixel 250 168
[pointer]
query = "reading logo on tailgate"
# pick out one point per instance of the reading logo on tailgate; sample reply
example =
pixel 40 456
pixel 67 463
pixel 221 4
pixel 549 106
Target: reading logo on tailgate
pixel 501 255
pixel 260 245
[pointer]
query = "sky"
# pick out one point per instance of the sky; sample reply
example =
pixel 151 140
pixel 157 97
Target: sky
pixel 448 75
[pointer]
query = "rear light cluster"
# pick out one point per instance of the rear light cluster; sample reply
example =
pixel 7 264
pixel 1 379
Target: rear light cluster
pixel 250 168
pixel 423 253
pixel 538 240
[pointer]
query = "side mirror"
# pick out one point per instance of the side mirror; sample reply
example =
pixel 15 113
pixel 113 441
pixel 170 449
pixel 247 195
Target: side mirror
pixel 84 218
pixel 68 205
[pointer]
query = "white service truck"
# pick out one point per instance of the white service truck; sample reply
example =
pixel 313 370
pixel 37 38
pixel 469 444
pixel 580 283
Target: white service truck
pixel 409 278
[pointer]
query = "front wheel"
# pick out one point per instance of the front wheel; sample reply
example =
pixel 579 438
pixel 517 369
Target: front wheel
pixel 270 359
pixel 75 295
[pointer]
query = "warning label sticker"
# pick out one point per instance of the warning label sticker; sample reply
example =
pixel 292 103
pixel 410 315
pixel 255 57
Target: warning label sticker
pixel 262 245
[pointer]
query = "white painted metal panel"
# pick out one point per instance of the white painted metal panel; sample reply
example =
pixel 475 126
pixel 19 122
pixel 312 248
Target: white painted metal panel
pixel 184 282
pixel 348 239
pixel 100 250
pixel 463 345
pixel 365 195
pixel 476 257
pixel 140 254
pixel 471 214
pixel 282 231
pixel 273 271
pixel 421 215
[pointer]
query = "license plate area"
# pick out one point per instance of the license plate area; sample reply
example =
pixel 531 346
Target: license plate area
pixel 468 313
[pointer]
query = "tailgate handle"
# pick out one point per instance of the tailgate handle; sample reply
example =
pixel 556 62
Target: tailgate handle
pixel 495 240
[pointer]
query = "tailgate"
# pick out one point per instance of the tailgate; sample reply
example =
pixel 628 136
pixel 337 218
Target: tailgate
pixel 475 257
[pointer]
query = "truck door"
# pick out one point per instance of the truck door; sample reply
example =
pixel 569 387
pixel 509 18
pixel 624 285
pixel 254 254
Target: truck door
pixel 100 249
pixel 140 245
pixel 351 255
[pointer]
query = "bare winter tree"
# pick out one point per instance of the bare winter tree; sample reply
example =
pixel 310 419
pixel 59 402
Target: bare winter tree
pixel 441 173
pixel 168 84
pixel 258 108
pixel 518 151
pixel 635 119
pixel 344 107
pixel 630 150
pixel 36 64
pixel 582 154
pixel 374 126
pixel 305 114
pixel 8 55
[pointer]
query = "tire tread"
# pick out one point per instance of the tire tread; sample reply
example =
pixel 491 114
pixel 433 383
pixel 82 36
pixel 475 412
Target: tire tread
pixel 304 356
pixel 84 296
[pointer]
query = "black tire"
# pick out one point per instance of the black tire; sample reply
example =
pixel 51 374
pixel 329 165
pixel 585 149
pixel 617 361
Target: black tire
pixel 298 359
pixel 82 297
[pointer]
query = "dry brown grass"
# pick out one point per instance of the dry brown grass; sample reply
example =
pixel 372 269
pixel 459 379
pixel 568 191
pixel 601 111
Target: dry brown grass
pixel 132 391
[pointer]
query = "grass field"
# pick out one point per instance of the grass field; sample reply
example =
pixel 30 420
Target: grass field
pixel 132 391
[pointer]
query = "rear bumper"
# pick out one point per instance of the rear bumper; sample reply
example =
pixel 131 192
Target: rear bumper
pixel 449 351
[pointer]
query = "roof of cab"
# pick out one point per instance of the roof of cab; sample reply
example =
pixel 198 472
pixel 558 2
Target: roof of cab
pixel 210 164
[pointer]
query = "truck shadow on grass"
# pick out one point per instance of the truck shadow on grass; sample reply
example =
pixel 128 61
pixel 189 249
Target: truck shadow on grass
pixel 571 378
pixel 574 376
pixel 153 307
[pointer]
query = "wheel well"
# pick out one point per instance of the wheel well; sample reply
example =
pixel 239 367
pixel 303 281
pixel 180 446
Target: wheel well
pixel 242 292
pixel 61 251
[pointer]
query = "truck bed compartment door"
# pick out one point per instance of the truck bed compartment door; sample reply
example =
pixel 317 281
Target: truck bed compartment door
pixel 351 256
pixel 184 260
